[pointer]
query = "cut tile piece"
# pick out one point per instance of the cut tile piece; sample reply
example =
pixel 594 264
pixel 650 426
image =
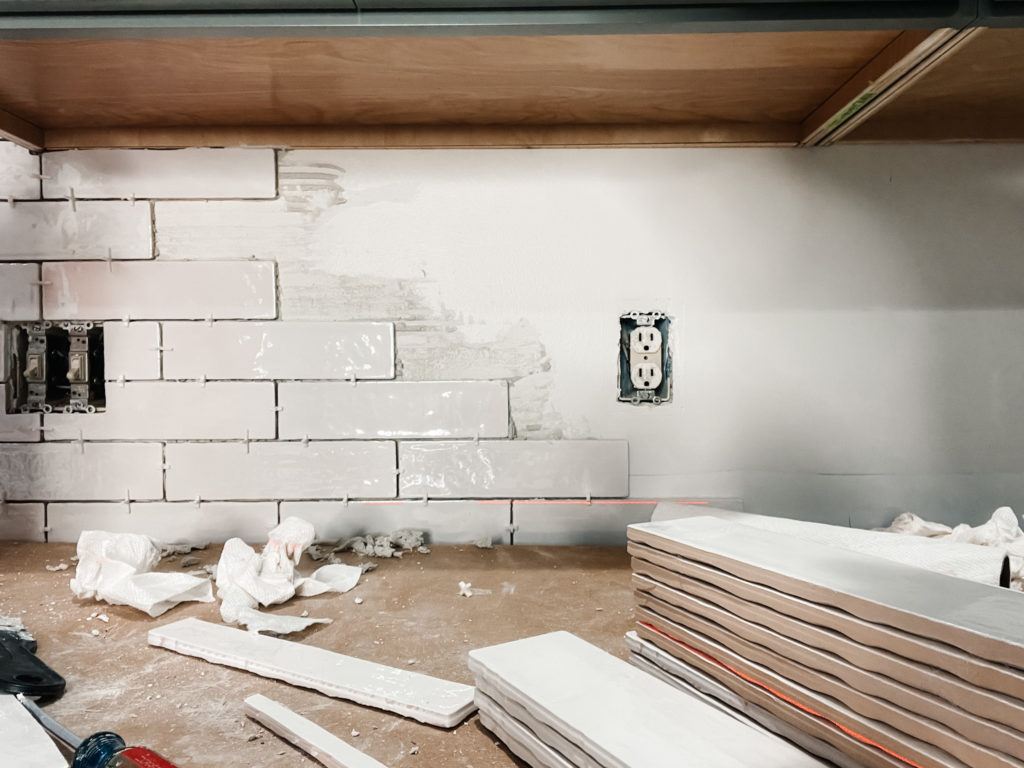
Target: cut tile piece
pixel 19 292
pixel 515 469
pixel 394 409
pixel 445 522
pixel 306 735
pixel 23 741
pixel 37 231
pixel 22 522
pixel 143 173
pixel 280 470
pixel 131 351
pixel 20 427
pixel 19 173
pixel 573 523
pixel 228 350
pixel 169 523
pixel 158 290
pixel 85 472
pixel 171 410
pixel 427 699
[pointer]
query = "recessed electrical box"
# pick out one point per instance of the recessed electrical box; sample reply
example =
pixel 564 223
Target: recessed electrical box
pixel 53 367
pixel 645 362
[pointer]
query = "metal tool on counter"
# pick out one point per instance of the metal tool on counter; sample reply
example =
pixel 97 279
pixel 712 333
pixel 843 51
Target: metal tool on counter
pixel 21 671
pixel 101 750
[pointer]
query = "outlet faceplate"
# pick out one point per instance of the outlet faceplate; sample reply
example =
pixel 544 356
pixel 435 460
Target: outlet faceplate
pixel 645 361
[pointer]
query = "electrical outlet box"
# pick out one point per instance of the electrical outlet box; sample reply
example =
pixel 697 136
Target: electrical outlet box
pixel 645 361
pixel 53 367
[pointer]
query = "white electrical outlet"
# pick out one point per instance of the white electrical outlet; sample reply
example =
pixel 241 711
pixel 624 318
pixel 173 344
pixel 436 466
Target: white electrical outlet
pixel 645 340
pixel 645 375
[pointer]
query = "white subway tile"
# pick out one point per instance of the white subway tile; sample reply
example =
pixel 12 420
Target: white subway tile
pixel 81 471
pixel 131 351
pixel 180 173
pixel 155 290
pixel 394 409
pixel 601 524
pixel 280 470
pixel 19 173
pixel 93 230
pixel 19 291
pixel 279 350
pixel 231 229
pixel 514 469
pixel 168 523
pixel 445 522
pixel 170 410
pixel 22 522
pixel 19 427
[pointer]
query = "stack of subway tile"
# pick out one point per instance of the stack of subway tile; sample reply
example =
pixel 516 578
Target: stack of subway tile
pixel 887 663
pixel 558 702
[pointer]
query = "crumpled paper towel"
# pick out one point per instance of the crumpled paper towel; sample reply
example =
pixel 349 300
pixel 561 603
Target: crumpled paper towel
pixel 246 580
pixel 116 567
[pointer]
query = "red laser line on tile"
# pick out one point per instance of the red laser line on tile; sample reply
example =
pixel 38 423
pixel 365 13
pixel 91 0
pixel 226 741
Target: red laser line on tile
pixel 781 696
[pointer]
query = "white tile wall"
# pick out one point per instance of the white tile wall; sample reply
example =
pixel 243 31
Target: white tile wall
pixel 131 351
pixel 556 522
pixel 19 292
pixel 181 173
pixel 445 522
pixel 279 350
pixel 228 229
pixel 81 472
pixel 165 410
pixel 514 469
pixel 280 470
pixel 92 230
pixel 168 523
pixel 155 290
pixel 22 522
pixel 19 171
pixel 19 427
pixel 394 409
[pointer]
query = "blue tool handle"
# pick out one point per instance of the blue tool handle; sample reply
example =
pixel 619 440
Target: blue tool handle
pixel 98 750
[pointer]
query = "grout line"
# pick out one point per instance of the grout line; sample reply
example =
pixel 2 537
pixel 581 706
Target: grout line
pixel 46 521
pixel 154 252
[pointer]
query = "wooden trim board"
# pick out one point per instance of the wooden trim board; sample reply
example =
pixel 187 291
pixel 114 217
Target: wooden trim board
pixel 22 132
pixel 24 742
pixel 985 621
pixel 876 696
pixel 973 671
pixel 951 690
pixel 319 744
pixel 427 699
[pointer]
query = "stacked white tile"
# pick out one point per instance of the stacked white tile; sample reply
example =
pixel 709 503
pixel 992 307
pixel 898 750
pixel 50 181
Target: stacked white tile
pixel 22 522
pixel 19 173
pixel 280 470
pixel 131 351
pixel 35 231
pixel 19 292
pixel 169 523
pixel 446 522
pixel 165 410
pixel 394 409
pixel 235 350
pixel 156 290
pixel 180 173
pixel 514 469
pixel 80 471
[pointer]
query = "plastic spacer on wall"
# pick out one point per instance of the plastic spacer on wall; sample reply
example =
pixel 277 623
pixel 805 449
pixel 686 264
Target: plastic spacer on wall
pixel 110 259
pixel 589 502
pixel 121 380
pixel 131 199
pixel 197 501
pixel 247 441
pixel 81 442
pixel 305 441
pixel 425 500
pixel 351 377
pixel 71 197
pixel 209 320
pixel 126 320
pixel 344 500
pixel 10 200
pixel 127 497
pixel 202 380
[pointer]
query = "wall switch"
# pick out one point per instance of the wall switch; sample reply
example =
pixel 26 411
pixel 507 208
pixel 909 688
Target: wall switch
pixel 645 362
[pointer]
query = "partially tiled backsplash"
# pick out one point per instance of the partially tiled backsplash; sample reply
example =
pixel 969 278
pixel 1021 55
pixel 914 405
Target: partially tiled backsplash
pixel 221 417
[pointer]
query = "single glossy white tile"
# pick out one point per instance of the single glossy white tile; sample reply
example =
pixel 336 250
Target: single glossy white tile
pixel 394 409
pixel 19 172
pixel 81 471
pixel 445 522
pixel 231 229
pixel 131 351
pixel 19 427
pixel 159 290
pixel 280 470
pixel 22 522
pixel 514 469
pixel 169 523
pixel 179 173
pixel 90 230
pixel 601 524
pixel 19 292
pixel 226 350
pixel 172 410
